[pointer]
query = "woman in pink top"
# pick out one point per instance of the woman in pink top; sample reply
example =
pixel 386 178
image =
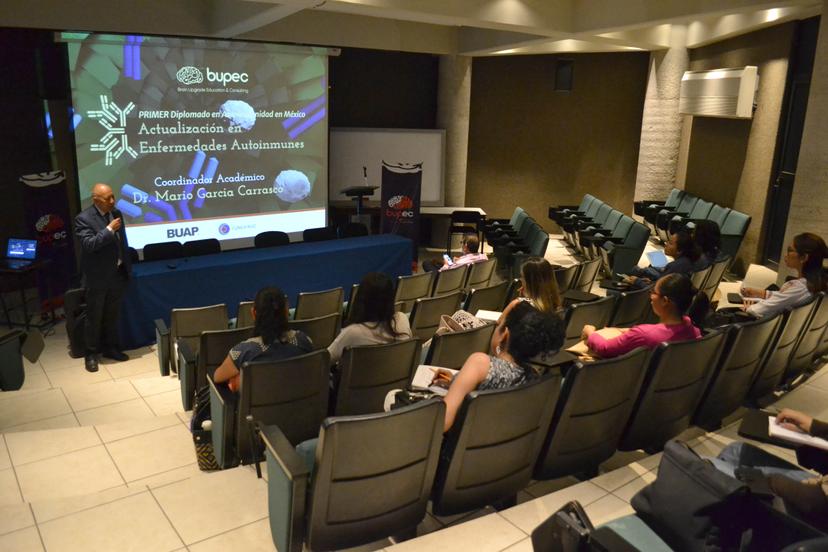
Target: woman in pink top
pixel 671 299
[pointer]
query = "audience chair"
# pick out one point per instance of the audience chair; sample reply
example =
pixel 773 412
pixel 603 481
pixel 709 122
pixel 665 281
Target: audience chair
pixel 675 381
pixel 717 214
pixel 163 251
pixel 492 298
pixel 451 350
pixel 700 211
pixel 616 237
pixel 699 277
pixel 587 272
pixel 425 316
pixel 480 274
pixel 662 221
pixel 537 248
pixel 583 236
pixel 745 348
pixel 207 246
pixel 291 393
pixel 244 318
pixel 490 451
pixel 500 228
pixel 187 325
pixel 348 307
pixel 324 233
pixel 733 231
pixel 368 372
pixel 601 217
pixel 411 288
pixel 769 376
pixel 804 353
pixel 596 313
pixel 318 303
pixel 714 278
pixel 565 277
pixel 591 415
pixel 12 373
pixel 465 223
pixel 513 292
pixel 271 238
pixel 354 230
pixel 560 211
pixel 631 308
pixel 74 308
pixel 649 207
pixel 372 476
pixel 621 258
pixel 133 255
pixel 321 330
pixel 449 281
pixel 213 348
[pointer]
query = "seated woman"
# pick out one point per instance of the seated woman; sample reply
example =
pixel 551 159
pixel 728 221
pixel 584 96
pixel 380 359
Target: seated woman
pixel 805 255
pixel 686 259
pixel 538 287
pixel 708 238
pixel 524 333
pixel 671 299
pixel 803 492
pixel 272 338
pixel 373 320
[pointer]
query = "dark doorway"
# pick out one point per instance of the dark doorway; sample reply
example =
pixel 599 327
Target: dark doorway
pixel 791 124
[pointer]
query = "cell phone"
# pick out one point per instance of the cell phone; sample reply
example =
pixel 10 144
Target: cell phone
pixel 735 298
pixel 448 259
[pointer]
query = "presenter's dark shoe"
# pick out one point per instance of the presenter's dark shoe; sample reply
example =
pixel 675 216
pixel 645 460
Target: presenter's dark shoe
pixel 119 356
pixel 91 363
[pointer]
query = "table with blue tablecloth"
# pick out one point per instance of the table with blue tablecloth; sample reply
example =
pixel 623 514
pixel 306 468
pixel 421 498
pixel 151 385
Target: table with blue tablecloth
pixel 234 276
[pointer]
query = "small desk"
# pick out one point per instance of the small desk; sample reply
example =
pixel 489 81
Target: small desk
pixel 19 275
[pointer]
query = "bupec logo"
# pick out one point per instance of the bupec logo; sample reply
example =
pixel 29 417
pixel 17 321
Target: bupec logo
pixel 193 75
pixel 50 229
pixel 400 207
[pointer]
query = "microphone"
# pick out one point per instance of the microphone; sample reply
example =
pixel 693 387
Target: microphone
pixel 365 175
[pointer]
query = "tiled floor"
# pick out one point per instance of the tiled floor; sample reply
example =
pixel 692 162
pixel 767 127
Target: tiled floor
pixel 105 462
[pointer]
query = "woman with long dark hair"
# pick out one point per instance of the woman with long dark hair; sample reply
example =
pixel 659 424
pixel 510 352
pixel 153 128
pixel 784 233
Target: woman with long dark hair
pixel 272 337
pixel 686 259
pixel 805 255
pixel 373 320
pixel 680 309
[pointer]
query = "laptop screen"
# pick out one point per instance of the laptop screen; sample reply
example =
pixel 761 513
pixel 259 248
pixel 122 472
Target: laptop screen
pixel 21 249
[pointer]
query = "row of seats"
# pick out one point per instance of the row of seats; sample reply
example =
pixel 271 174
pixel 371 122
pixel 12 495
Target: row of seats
pixel 516 240
pixel 607 233
pixel 683 208
pixel 271 238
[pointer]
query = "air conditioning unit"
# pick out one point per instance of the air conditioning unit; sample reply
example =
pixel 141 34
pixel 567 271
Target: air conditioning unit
pixel 728 93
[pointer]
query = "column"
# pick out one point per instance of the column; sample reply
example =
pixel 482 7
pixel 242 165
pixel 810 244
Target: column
pixel 453 104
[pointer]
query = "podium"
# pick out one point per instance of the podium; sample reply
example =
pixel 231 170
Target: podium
pixel 358 193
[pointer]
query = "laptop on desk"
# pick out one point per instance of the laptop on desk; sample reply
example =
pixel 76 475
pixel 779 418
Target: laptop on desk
pixel 20 253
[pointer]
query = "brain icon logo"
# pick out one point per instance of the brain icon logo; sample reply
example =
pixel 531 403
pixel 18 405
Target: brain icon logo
pixel 401 202
pixel 189 75
pixel 49 223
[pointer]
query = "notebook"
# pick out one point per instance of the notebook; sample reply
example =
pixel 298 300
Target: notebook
pixel 424 376
pixel 20 252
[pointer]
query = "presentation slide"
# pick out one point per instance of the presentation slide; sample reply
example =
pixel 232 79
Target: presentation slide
pixel 200 138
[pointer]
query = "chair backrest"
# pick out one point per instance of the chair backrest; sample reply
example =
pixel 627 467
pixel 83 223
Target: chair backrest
pixel 244 318
pixel 373 475
pixel 290 393
pixel 802 357
pixel 349 308
pixel 596 313
pixel 770 374
pixel 612 220
pixel 631 308
pixel 425 316
pixel 623 227
pixel 452 349
pixel 515 216
pixel 187 325
pixel 622 259
pixel 321 330
pixel 521 219
pixel 718 214
pixel 733 230
pixel 513 292
pixel 354 230
pixel 746 346
pixel 586 275
pixel 699 277
pixel 163 251
pixel 369 372
pixel 637 236
pixel 565 277
pixel 318 234
pixel 449 281
pixel 206 246
pixel 480 274
pixel 490 452
pixel 700 210
pixel 674 197
pixel 318 303
pixel 411 288
pixel 601 215
pixel 133 255
pixel 591 415
pixel 687 202
pixel 213 348
pixel 466 217
pixel 714 278
pixel 593 208
pixel 271 238
pixel 492 298
pixel 538 241
pixel 676 378
pixel 585 202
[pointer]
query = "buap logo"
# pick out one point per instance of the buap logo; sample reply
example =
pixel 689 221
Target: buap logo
pixel 189 75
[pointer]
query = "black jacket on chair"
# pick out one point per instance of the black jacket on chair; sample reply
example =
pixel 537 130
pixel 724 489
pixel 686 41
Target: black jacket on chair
pixel 99 247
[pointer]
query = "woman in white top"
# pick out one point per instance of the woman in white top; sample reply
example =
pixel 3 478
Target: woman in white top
pixel 373 320
pixel 805 255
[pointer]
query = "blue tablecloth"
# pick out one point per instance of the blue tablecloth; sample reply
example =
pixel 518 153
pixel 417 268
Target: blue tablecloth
pixel 235 276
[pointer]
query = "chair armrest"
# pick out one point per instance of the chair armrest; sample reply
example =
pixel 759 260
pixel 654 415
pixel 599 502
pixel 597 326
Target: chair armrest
pixel 287 482
pixel 162 340
pixel 186 373
pixel 223 404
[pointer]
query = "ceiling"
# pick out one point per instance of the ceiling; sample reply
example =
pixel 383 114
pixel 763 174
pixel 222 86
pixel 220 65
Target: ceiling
pixel 466 27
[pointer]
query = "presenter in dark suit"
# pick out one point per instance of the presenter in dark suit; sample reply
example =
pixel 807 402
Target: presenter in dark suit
pixel 105 265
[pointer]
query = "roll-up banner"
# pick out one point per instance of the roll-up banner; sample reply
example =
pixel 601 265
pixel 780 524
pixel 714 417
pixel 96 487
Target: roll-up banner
pixel 401 185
